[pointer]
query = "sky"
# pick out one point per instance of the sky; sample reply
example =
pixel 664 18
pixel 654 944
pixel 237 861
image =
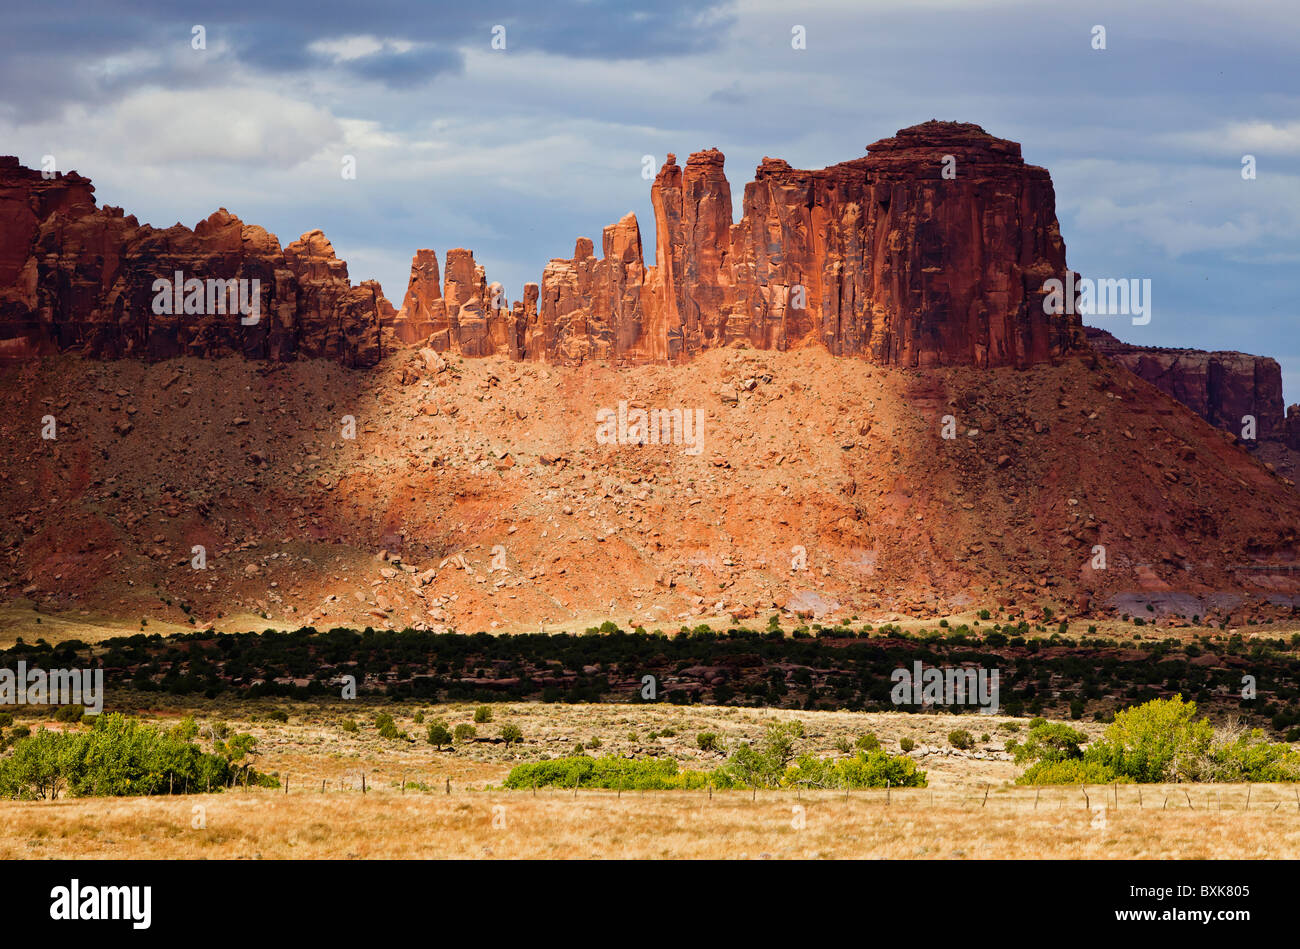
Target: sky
pixel 514 152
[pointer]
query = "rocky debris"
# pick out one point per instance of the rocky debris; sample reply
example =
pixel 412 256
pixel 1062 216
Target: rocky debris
pixel 74 276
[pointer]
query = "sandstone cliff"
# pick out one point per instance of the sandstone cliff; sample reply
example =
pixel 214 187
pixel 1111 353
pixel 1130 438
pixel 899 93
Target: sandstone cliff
pixel 80 277
pixel 1220 387
pixel 881 257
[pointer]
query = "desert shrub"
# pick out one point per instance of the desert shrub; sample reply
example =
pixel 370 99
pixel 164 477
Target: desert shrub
pixel 464 732
pixel 1251 757
pixel 438 735
pixel 277 715
pixel 843 746
pixel 186 729
pixel 511 734
pixel 348 725
pixel 1050 742
pixel 762 766
pixel 961 739
pixel 6 719
pixel 1158 741
pixel 387 728
pixel 1071 771
pixel 778 742
pixel 482 714
pixel 749 767
pixel 419 718
pixel 707 741
pixel 867 769
pixel 653 774
pixel 867 742
pixel 122 756
pixel 69 713
pixel 906 744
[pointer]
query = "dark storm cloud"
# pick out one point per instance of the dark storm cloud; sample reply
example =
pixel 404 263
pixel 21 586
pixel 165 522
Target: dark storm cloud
pixel 95 51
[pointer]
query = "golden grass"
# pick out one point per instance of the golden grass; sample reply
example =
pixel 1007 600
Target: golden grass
pixel 915 823
pixel 971 808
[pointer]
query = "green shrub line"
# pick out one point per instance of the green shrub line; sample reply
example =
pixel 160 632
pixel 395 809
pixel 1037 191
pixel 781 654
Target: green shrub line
pixel 768 764
pixel 120 756
pixel 1161 741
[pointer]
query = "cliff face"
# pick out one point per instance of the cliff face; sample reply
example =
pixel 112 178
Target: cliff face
pixel 881 257
pixel 1220 387
pixel 76 276
pixel 930 251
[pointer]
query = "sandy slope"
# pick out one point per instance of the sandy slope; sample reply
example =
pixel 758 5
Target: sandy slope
pixel 799 450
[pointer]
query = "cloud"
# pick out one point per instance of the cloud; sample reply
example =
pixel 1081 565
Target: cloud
pixel 1241 138
pixel 239 125
pixel 1179 209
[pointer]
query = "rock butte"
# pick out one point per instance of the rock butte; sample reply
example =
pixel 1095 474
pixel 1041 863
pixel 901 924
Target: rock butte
pixel 890 261
pixel 880 257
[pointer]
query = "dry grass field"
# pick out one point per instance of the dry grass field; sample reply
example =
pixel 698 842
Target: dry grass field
pixel 386 824
pixel 422 802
